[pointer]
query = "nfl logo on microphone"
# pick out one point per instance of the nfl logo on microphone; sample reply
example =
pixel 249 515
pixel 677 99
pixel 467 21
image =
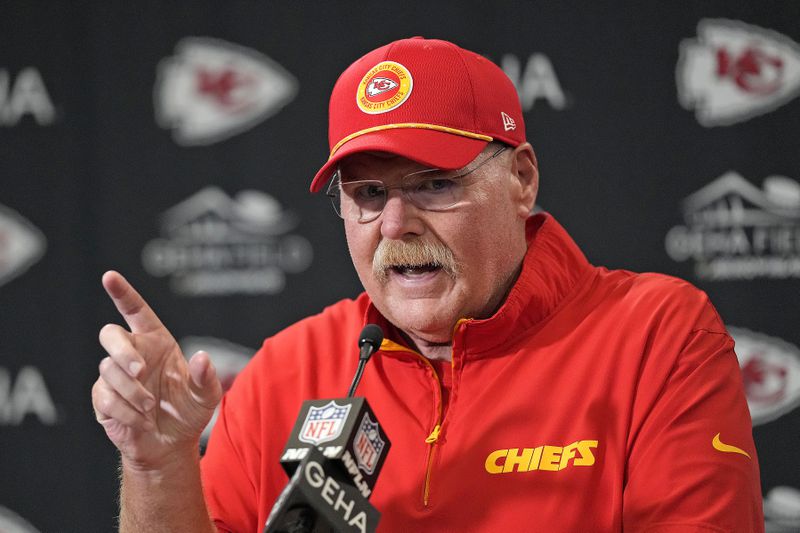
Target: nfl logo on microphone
pixel 323 424
pixel 368 445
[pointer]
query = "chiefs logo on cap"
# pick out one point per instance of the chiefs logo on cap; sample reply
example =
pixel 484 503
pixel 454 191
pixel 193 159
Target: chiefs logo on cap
pixel 386 86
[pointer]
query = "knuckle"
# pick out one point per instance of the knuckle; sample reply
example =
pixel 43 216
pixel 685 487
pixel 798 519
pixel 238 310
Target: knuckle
pixel 103 401
pixel 95 398
pixel 99 391
pixel 105 404
pixel 97 388
pixel 100 407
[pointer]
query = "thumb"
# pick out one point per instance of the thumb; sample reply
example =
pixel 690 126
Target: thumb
pixel 204 384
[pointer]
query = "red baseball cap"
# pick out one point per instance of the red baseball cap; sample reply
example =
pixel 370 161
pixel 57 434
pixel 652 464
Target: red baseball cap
pixel 423 99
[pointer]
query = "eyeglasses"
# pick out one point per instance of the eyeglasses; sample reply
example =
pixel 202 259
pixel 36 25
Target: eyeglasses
pixel 431 190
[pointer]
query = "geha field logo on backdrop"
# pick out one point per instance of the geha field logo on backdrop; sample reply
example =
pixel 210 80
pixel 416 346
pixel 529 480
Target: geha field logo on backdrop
pixel 212 244
pixel 25 395
pixel 770 371
pixel 211 90
pixel 735 71
pixel 25 94
pixel 735 231
pixel 537 81
pixel 21 244
pixel 228 358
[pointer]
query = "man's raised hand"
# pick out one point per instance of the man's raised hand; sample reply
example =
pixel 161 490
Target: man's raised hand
pixel 149 400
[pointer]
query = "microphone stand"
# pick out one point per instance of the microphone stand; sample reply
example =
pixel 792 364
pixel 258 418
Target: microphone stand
pixel 329 485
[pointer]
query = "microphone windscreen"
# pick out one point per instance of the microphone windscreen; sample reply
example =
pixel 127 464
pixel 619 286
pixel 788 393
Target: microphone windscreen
pixel 372 335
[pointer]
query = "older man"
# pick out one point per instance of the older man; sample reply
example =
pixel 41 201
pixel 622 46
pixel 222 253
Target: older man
pixel 522 388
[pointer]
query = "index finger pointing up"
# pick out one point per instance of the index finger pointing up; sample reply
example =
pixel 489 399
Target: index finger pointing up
pixel 137 314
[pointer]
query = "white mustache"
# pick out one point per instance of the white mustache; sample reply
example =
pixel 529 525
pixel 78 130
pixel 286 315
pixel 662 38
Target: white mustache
pixel 391 253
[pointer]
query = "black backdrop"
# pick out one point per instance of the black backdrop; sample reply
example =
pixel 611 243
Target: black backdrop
pixel 175 141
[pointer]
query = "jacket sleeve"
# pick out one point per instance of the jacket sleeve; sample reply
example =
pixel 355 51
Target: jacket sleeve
pixel 692 464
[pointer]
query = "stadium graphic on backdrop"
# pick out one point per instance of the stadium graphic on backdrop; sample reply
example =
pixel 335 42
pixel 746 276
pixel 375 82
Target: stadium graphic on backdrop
pixel 735 231
pixel 212 245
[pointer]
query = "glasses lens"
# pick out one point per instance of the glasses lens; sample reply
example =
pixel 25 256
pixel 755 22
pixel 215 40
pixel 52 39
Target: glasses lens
pixel 362 200
pixel 433 189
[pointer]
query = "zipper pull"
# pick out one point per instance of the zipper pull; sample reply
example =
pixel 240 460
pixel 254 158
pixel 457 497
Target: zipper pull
pixel 434 436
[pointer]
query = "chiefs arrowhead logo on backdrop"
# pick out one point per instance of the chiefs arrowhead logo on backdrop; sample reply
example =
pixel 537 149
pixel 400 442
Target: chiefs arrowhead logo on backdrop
pixel 21 244
pixel 771 374
pixel 211 90
pixel 734 71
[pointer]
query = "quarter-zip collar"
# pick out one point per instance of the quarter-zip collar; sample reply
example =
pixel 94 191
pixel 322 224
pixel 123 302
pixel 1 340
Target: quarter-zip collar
pixel 551 270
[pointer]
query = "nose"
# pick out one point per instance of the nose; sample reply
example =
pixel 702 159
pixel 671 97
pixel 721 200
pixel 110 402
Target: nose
pixel 400 218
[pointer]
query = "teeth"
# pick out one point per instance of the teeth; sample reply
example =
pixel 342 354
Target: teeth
pixel 415 269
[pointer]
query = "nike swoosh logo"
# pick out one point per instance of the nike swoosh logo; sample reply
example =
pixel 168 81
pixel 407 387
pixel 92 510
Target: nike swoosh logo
pixel 721 446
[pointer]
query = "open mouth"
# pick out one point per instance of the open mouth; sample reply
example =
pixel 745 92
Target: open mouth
pixel 416 270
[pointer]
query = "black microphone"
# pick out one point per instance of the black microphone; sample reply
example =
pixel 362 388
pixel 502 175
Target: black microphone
pixel 333 456
pixel 368 342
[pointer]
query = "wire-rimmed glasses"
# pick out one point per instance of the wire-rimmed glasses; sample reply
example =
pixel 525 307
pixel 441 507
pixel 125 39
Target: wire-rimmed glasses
pixel 430 190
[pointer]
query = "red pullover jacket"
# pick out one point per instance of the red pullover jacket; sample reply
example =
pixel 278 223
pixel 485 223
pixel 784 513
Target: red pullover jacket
pixel 593 400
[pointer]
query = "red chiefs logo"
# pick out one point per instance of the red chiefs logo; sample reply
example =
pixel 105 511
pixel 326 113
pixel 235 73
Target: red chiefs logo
pixel 381 86
pixel 224 86
pixel 764 381
pixel 753 71
pixel 384 87
pixel 770 371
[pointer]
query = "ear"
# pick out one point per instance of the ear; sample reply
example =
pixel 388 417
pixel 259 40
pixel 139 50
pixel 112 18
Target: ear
pixel 525 170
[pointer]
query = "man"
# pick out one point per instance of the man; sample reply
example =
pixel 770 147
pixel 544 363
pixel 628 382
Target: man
pixel 522 388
